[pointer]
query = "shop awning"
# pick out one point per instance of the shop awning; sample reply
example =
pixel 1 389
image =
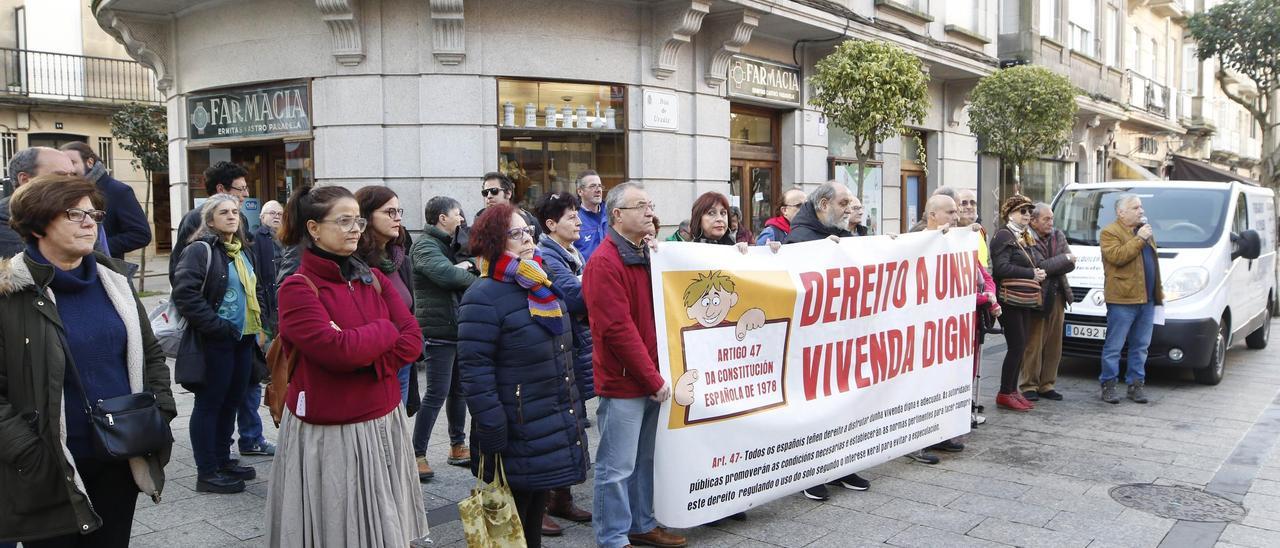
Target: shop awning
pixel 1125 169
pixel 1191 169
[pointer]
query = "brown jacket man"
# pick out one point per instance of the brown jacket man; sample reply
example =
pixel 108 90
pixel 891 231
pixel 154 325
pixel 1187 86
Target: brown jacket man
pixel 1122 265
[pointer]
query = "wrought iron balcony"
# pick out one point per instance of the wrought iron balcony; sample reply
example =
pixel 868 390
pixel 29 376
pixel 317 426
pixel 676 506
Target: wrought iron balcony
pixel 1147 95
pixel 46 75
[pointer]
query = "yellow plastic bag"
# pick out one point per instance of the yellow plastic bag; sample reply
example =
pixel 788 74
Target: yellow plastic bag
pixel 489 516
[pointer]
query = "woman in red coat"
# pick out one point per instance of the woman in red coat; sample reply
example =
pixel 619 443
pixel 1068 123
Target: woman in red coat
pixel 344 473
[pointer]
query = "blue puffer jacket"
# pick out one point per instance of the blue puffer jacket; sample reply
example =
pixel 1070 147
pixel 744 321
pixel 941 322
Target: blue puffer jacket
pixel 519 382
pixel 565 272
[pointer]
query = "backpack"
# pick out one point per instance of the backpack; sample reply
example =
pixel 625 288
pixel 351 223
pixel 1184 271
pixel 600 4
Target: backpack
pixel 281 364
pixel 167 323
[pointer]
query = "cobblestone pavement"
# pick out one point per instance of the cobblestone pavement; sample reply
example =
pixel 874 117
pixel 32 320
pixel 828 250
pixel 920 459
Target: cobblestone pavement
pixel 1025 479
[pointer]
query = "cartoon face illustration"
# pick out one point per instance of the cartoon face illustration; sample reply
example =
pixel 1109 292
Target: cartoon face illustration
pixel 713 307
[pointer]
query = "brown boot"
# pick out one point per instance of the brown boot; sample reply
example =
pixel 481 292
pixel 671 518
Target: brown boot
pixel 459 455
pixel 560 504
pixel 424 470
pixel 658 537
pixel 550 528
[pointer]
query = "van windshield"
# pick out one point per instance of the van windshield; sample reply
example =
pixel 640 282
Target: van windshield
pixel 1181 217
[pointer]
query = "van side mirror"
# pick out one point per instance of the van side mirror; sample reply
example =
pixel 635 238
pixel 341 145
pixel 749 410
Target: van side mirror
pixel 1247 244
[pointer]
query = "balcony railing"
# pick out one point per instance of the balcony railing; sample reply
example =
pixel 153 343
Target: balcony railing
pixel 75 77
pixel 1147 95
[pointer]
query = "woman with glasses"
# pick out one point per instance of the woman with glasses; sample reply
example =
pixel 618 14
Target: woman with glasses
pixel 71 329
pixel 217 291
pixel 344 471
pixel 384 246
pixel 1014 256
pixel 515 354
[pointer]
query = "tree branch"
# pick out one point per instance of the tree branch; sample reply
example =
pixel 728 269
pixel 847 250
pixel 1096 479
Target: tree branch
pixel 1221 77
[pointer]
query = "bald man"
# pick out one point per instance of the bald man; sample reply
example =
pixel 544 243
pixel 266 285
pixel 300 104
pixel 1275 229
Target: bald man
pixel 28 164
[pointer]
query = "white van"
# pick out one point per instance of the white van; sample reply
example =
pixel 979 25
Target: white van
pixel 1217 253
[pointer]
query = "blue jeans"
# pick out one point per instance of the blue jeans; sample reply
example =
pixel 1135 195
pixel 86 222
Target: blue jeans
pixel 624 469
pixel 443 391
pixel 1132 324
pixel 403 375
pixel 213 418
pixel 248 418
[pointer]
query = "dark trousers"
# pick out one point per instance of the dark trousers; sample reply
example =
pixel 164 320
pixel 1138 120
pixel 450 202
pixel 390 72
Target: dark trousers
pixel 213 419
pixel 530 505
pixel 1017 326
pixel 114 495
pixel 443 390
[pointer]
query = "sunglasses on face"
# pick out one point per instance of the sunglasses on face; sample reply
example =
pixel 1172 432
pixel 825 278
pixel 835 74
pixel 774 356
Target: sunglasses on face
pixel 491 191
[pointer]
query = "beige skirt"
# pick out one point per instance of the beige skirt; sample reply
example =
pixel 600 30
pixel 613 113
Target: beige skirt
pixel 345 485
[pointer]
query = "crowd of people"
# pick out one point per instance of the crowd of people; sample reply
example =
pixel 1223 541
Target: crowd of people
pixel 500 321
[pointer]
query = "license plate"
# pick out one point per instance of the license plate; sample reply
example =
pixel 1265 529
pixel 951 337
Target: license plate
pixel 1086 331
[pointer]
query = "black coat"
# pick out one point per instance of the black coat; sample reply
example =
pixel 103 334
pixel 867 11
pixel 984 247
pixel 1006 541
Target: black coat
pixel 266 256
pixel 187 227
pixel 126 224
pixel 200 308
pixel 10 242
pixel 806 227
pixel 519 382
pixel 1008 260
pixel 1054 250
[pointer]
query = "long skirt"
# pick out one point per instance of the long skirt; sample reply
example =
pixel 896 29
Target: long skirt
pixel 345 485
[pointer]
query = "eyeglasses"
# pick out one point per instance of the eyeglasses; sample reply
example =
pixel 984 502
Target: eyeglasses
pixel 793 205
pixel 243 189
pixel 349 223
pixel 491 191
pixel 966 203
pixel 394 213
pixel 593 186
pixel 858 208
pixel 77 215
pixel 518 234
pixel 651 206
pixel 272 214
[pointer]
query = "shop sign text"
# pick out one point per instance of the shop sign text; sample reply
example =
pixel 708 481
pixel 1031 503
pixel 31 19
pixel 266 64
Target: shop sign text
pixel 763 80
pixel 249 112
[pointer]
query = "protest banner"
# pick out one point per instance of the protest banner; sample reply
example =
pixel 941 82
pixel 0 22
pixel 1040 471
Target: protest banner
pixel 799 368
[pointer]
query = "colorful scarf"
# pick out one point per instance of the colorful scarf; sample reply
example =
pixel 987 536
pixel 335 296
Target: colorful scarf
pixel 392 260
pixel 543 305
pixel 253 311
pixel 1022 234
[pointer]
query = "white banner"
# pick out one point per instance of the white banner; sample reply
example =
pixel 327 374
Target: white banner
pixel 802 367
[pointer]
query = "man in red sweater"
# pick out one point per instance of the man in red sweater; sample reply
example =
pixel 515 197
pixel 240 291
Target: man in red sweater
pixel 625 364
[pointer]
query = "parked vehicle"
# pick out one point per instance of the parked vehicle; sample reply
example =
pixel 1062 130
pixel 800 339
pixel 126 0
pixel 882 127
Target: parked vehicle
pixel 1217 253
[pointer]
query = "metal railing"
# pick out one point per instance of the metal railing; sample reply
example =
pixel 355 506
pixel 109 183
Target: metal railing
pixel 75 77
pixel 1148 95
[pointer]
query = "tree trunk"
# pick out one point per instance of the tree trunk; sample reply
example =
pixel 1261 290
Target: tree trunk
pixel 1017 177
pixel 1270 157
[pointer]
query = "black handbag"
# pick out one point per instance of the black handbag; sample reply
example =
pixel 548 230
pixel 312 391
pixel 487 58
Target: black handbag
pixel 124 426
pixel 189 367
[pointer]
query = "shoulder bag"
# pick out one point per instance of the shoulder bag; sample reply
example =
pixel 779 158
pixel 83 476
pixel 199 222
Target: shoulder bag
pixel 1021 292
pixel 489 515
pixel 167 323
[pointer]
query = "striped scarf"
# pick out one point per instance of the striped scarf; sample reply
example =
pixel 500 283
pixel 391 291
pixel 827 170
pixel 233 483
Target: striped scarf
pixel 543 305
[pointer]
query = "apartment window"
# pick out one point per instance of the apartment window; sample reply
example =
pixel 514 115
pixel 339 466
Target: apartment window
pixel 1010 11
pixel 1147 145
pixel 104 152
pixel 1113 37
pixel 1190 70
pixel 1150 49
pixel 1135 54
pixel 968 14
pixel 1171 64
pixel 8 147
pixel 1049 18
pixel 1081 23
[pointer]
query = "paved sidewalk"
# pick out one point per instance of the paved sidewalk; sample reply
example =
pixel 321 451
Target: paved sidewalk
pixel 1031 479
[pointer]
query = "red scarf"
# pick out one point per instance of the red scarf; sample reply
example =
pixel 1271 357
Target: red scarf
pixel 780 223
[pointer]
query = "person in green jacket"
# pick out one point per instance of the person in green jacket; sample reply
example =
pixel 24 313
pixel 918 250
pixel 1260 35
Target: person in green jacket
pixel 681 234
pixel 439 279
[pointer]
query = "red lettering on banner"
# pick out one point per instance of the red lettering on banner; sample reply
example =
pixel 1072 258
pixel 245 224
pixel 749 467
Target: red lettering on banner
pixel 922 282
pixel 849 304
pixel 812 355
pixel 870 283
pixel 844 358
pixel 829 315
pixel 860 358
pixel 811 284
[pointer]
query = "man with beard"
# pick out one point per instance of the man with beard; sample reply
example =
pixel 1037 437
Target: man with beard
pixel 826 214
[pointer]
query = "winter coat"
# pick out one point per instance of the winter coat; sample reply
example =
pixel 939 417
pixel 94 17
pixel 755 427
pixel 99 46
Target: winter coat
pixel 805 227
pixel 42 495
pixel 1054 249
pixel 188 226
pixel 565 272
pixel 775 229
pixel 1125 279
pixel 126 224
pixel 200 307
pixel 437 284
pixel 266 257
pixel 10 242
pixel 519 382
pixel 624 359
pixel 595 228
pixel 348 374
pixel 1008 260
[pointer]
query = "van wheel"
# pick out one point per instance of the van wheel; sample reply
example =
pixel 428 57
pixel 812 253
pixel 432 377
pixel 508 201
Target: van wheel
pixel 1258 339
pixel 1211 374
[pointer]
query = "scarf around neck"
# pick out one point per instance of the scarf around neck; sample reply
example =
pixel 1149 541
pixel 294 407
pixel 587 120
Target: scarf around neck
pixel 1022 234
pixel 544 308
pixel 253 311
pixel 392 260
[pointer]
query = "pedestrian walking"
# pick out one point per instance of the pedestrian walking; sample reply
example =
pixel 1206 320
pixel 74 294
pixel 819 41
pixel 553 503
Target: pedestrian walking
pixel 343 475
pixel 1044 335
pixel 625 372
pixel 384 245
pixel 439 279
pixel 1132 289
pixel 71 330
pixel 217 291
pixel 558 213
pixel 515 354
pixel 1014 257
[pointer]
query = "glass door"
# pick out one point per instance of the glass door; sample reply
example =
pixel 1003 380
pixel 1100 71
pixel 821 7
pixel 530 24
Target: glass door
pixel 914 196
pixel 753 188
